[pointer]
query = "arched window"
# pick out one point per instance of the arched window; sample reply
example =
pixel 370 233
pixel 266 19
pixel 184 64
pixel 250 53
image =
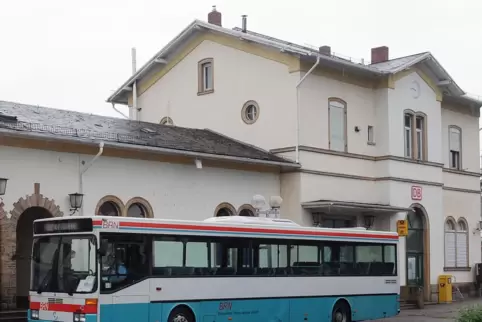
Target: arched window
pixel 450 237
pixel 462 244
pixel 139 208
pixel 337 126
pixel 456 243
pixel 109 208
pixel 225 209
pixel 136 210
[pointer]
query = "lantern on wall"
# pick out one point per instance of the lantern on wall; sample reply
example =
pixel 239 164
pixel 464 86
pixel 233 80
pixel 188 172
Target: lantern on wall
pixel 3 186
pixel 75 201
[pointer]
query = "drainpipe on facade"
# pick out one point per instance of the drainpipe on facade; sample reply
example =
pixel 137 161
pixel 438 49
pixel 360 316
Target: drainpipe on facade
pixel 82 171
pixel 134 86
pixel 297 151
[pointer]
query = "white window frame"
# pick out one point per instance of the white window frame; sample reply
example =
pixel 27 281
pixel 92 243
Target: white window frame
pixel 458 165
pixel 415 146
pixel 408 146
pixel 338 103
pixel 205 76
pixel 456 252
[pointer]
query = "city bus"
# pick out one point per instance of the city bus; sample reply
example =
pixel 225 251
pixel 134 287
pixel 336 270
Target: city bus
pixel 246 269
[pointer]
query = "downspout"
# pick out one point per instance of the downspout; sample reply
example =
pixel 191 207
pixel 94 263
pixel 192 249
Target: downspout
pixel 298 108
pixel 82 171
pixel 134 86
pixel 123 115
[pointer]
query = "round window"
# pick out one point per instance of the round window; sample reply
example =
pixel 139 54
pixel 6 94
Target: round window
pixel 250 112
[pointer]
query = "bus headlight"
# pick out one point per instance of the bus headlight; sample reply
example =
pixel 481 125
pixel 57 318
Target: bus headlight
pixel 34 314
pixel 78 317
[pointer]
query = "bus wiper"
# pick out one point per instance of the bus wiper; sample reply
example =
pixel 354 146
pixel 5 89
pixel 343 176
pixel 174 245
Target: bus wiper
pixel 45 282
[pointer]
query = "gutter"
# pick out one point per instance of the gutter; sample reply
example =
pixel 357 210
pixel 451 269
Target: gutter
pixel 165 151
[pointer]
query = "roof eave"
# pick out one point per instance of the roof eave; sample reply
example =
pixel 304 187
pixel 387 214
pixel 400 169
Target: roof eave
pixel 160 150
pixel 156 59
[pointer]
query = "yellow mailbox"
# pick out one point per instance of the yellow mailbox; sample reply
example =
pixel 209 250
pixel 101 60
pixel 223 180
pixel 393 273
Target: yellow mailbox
pixel 445 289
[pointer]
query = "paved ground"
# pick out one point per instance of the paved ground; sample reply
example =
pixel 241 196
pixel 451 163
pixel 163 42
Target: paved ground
pixel 432 313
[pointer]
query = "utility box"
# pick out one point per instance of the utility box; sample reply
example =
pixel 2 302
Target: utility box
pixel 445 289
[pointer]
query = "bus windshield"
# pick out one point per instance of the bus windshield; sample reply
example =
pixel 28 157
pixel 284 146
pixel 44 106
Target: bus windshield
pixel 64 264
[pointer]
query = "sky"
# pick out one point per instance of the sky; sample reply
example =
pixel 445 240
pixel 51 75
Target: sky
pixel 73 55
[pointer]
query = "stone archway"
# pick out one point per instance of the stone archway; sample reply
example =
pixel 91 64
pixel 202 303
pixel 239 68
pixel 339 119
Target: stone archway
pixel 17 231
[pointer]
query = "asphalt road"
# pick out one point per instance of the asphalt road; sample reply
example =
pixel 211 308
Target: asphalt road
pixel 439 313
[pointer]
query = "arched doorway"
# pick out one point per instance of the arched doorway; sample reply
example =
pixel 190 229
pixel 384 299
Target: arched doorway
pixel 22 255
pixel 417 251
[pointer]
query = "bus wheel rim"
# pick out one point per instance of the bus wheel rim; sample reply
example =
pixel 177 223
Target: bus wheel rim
pixel 340 316
pixel 180 318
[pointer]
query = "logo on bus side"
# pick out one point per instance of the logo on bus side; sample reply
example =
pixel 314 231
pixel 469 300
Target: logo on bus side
pixel 44 306
pixel 110 224
pixel 225 306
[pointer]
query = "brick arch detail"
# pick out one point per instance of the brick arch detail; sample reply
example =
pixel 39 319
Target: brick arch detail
pixel 34 200
pixel 115 200
pixel 143 202
pixel 226 205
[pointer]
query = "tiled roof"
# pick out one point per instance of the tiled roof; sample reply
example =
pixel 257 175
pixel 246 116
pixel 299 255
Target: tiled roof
pixel 391 66
pixel 75 126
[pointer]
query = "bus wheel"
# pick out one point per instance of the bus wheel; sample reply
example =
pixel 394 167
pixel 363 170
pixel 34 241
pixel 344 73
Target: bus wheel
pixel 181 314
pixel 341 312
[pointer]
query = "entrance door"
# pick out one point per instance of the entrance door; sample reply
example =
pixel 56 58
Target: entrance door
pixel 415 249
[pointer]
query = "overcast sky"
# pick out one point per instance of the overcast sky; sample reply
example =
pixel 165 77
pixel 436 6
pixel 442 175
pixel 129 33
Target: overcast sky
pixel 72 55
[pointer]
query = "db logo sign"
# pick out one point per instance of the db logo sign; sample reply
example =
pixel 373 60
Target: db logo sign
pixel 416 193
pixel 44 306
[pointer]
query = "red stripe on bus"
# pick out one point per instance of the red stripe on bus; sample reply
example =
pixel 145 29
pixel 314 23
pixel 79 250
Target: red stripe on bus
pixel 127 224
pixel 70 308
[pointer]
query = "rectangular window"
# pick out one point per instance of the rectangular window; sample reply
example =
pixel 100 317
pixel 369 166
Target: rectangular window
pixel 337 126
pixel 455 147
pixel 420 136
pixel 408 135
pixel 272 256
pixel 227 256
pixel 371 135
pixel 168 253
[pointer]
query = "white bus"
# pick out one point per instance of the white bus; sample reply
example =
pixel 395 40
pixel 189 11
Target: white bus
pixel 246 269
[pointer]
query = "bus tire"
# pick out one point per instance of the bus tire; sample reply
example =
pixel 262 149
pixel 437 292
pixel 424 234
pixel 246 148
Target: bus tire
pixel 181 314
pixel 341 312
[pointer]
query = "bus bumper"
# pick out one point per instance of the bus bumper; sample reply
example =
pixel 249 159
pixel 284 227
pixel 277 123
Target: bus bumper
pixel 88 318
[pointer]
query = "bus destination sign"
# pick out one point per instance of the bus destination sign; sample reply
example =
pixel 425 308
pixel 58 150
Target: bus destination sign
pixel 63 226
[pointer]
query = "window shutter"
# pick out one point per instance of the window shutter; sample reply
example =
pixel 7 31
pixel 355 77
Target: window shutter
pixel 462 256
pixel 454 139
pixel 450 250
pixel 337 128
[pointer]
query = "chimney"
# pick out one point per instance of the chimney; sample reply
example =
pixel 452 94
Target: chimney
pixel 379 54
pixel 214 17
pixel 245 21
pixel 325 50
